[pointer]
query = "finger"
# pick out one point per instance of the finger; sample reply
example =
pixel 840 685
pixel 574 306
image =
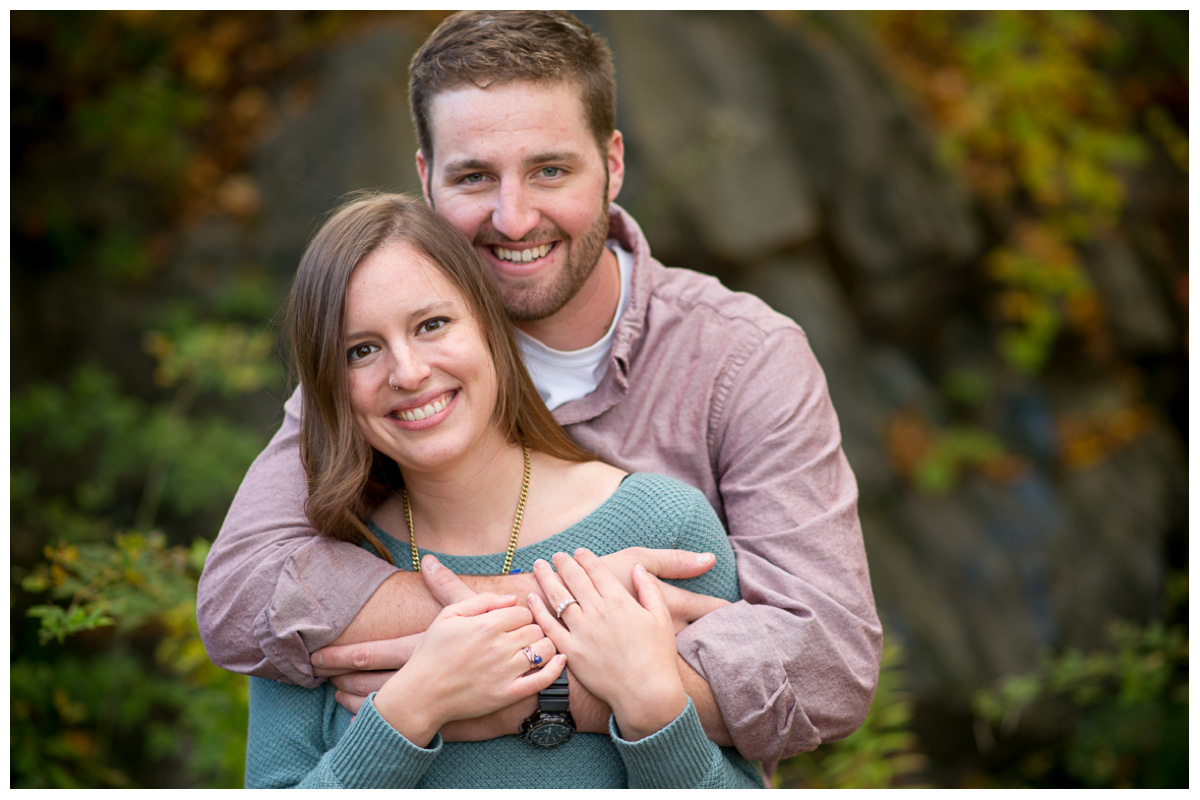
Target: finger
pixel 481 604
pixel 350 702
pixel 576 580
pixel 676 564
pixel 650 595
pixel 552 586
pixel 361 683
pixel 536 655
pixel 536 681
pixel 446 587
pixel 529 634
pixel 379 654
pixel 687 607
pixel 602 577
pixel 555 630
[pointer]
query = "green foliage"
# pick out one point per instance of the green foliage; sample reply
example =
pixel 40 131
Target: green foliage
pixel 952 453
pixel 102 714
pixel 123 602
pixel 881 754
pixel 122 449
pixel 1122 713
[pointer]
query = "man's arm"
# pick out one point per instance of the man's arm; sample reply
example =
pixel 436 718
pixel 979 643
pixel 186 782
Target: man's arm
pixel 273 589
pixel 807 613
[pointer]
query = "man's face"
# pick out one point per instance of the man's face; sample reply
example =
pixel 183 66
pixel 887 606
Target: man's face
pixel 517 170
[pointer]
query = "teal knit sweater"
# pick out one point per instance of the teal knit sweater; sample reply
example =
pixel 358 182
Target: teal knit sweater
pixel 303 738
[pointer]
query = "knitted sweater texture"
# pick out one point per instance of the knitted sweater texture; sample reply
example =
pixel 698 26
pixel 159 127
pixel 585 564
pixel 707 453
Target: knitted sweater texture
pixel 302 738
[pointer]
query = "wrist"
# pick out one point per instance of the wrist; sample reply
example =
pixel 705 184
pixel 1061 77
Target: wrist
pixel 590 712
pixel 417 722
pixel 648 713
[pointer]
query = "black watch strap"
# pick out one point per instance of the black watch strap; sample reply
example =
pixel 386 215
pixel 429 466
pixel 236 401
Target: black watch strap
pixel 555 697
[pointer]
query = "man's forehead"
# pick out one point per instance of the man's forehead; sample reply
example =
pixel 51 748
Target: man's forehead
pixel 488 108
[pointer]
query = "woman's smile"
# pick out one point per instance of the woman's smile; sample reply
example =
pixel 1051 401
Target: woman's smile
pixel 420 415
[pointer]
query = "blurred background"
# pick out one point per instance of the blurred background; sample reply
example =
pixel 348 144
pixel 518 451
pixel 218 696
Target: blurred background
pixel 980 219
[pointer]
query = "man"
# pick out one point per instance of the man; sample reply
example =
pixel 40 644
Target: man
pixel 653 369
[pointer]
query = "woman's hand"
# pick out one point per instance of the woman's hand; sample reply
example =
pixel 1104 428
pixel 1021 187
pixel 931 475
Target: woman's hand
pixel 622 649
pixel 469 663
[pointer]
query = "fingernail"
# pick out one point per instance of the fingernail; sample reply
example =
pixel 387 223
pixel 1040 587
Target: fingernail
pixel 508 598
pixel 533 599
pixel 555 558
pixel 704 558
pixel 318 659
pixel 540 564
pixel 638 568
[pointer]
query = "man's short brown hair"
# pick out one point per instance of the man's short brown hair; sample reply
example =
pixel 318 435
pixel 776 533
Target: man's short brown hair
pixel 487 47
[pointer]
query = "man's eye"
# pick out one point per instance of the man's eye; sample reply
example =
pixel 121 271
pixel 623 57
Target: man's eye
pixel 550 172
pixel 360 351
pixel 474 177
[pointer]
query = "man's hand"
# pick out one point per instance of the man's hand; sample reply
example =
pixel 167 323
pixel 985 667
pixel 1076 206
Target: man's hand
pixel 685 607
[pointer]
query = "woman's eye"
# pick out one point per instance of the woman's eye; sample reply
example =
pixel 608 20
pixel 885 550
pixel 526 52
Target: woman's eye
pixel 429 326
pixel 360 351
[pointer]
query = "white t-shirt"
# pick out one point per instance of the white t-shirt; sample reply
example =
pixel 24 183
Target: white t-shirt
pixel 562 376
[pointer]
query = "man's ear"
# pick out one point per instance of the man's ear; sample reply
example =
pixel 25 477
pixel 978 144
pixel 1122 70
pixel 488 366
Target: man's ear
pixel 616 165
pixel 423 173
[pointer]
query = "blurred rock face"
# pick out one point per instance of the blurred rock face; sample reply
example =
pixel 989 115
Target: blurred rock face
pixel 785 161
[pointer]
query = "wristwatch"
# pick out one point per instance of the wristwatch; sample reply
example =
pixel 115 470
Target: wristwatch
pixel 552 723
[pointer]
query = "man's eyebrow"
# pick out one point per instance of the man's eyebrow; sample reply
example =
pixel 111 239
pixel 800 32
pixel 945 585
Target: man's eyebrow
pixel 465 165
pixel 479 165
pixel 569 156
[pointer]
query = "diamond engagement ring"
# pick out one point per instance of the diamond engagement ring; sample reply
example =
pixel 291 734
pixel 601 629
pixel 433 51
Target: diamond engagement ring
pixel 563 605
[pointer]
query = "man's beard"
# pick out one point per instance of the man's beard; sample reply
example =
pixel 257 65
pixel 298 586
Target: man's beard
pixel 530 304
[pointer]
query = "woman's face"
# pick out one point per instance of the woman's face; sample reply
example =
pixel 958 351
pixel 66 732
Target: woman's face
pixel 422 383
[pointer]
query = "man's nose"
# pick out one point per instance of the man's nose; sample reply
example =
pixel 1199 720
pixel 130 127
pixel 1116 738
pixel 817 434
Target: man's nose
pixel 514 215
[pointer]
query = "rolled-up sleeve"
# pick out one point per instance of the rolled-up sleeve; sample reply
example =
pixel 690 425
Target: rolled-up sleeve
pixel 807 620
pixel 273 590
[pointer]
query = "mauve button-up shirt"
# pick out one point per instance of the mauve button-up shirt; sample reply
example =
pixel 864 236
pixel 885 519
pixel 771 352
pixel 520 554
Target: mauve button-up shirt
pixel 706 385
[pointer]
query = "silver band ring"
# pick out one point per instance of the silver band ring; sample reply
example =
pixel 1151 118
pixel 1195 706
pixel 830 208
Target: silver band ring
pixel 534 660
pixel 563 606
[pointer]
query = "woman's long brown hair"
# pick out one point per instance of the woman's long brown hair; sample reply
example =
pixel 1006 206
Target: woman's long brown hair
pixel 347 478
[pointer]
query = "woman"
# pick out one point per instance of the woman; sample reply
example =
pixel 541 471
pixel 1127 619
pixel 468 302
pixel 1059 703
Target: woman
pixel 422 431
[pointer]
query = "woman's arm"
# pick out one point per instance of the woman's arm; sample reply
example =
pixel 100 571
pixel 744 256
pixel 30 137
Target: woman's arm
pixel 287 746
pixel 471 661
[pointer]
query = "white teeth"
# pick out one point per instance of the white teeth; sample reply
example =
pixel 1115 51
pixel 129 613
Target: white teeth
pixel 412 415
pixel 521 256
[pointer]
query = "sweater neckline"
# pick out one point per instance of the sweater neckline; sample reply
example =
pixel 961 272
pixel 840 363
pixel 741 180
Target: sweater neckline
pixel 627 484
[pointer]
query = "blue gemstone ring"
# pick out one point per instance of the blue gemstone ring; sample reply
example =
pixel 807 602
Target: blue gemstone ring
pixel 534 660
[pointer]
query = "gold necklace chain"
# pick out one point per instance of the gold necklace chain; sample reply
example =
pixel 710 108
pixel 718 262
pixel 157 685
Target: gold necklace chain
pixel 516 528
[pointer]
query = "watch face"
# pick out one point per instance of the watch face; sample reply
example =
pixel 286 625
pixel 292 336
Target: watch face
pixel 549 732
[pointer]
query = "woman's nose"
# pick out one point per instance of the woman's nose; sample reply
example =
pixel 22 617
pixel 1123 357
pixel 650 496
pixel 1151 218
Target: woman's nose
pixel 408 369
